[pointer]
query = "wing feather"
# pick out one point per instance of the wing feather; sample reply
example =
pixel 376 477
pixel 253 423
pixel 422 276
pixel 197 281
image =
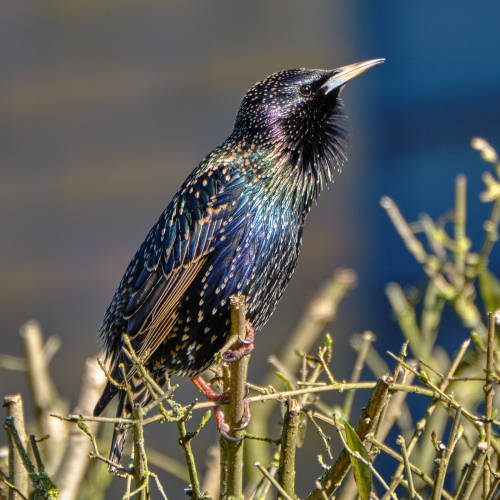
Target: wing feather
pixel 177 248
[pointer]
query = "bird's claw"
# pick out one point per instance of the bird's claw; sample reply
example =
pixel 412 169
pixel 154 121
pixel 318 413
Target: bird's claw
pixel 245 419
pixel 244 341
pixel 223 398
pixel 230 357
pixel 246 347
pixel 224 428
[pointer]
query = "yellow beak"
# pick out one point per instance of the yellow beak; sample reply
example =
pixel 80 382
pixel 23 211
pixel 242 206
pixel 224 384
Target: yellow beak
pixel 342 75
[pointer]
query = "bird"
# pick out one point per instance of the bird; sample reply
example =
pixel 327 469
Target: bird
pixel 233 229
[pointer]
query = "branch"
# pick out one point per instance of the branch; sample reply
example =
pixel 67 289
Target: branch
pixel 416 248
pixel 332 478
pixel 141 471
pixel 420 427
pixel 232 454
pixel 393 454
pixel 273 481
pixel 489 394
pixel 286 471
pixel 44 487
pixel 18 474
pixel 283 395
pixel 472 472
pixel 455 435
pixel 401 441
pixel 76 457
pixel 367 340
pixel 461 241
pixel 211 483
pixel 185 442
pixel 320 311
pixel 44 394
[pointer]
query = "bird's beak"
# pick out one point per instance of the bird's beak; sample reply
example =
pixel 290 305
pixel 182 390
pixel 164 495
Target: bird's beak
pixel 342 75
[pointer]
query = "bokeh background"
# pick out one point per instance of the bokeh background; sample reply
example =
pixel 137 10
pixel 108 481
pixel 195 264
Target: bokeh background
pixel 105 107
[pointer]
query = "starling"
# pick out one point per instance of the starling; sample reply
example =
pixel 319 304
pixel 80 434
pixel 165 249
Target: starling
pixel 233 228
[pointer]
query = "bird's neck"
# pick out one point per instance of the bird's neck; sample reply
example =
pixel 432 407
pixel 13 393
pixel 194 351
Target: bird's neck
pixel 275 173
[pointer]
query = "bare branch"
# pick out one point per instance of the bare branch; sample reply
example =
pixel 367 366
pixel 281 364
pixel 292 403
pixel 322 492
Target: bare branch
pixel 76 457
pixel 18 474
pixel 332 478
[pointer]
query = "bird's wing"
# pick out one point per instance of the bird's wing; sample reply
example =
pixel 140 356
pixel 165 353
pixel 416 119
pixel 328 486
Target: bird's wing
pixel 175 251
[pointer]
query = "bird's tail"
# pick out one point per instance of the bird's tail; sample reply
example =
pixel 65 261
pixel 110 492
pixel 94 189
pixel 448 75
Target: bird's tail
pixel 119 433
pixel 120 430
pixel 141 396
pixel 108 394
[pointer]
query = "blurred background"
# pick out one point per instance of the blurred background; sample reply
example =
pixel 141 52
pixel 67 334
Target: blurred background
pixel 105 107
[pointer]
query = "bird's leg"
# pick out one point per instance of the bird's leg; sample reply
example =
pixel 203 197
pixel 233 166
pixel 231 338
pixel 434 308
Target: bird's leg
pixel 206 389
pixel 212 395
pixel 246 347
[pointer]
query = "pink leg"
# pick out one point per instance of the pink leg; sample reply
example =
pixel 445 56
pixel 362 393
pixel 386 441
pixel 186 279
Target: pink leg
pixel 206 389
pixel 213 395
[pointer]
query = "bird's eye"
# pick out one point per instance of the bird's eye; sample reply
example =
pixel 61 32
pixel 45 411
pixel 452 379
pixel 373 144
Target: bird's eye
pixel 305 90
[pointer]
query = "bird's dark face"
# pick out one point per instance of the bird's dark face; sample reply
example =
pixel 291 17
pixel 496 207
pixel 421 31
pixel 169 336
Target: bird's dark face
pixel 286 106
pixel 298 113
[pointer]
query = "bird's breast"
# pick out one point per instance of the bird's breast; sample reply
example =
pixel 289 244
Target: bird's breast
pixel 272 244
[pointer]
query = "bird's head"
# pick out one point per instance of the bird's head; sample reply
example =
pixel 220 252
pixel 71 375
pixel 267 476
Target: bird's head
pixel 298 113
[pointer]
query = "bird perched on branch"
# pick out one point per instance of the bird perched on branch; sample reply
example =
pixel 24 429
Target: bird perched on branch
pixel 233 228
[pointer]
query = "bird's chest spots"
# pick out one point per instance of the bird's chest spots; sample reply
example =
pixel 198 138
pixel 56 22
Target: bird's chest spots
pixel 275 244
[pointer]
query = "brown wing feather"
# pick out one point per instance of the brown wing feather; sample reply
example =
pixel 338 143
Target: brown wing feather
pixel 164 316
pixel 158 323
pixel 168 262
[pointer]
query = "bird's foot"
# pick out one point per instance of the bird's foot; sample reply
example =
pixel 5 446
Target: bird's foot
pixel 224 428
pixel 246 347
pixel 212 395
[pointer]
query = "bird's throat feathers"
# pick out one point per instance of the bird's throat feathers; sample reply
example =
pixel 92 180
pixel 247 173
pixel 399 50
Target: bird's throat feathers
pixel 294 156
pixel 310 157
